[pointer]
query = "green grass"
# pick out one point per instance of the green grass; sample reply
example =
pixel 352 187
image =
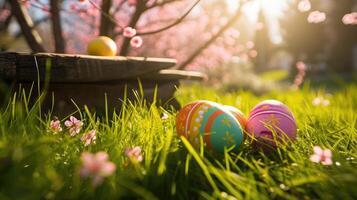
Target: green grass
pixel 275 75
pixel 36 164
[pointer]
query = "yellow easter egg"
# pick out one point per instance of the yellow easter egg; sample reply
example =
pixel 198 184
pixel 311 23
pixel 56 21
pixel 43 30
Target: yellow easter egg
pixel 102 46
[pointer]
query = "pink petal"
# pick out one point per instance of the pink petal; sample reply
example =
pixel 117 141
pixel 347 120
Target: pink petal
pixel 318 150
pixel 129 32
pixel 315 158
pixel 136 41
pixel 107 169
pixel 327 161
pixel 101 156
pixel 139 158
pixel 68 123
pixel 327 153
pixel 72 119
pixel 136 150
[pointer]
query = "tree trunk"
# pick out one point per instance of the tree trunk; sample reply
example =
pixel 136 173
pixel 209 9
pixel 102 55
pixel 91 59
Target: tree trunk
pixel 105 23
pixel 32 37
pixel 57 27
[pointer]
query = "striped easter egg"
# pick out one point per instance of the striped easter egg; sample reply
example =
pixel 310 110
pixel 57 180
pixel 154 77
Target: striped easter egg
pixel 217 126
pixel 271 122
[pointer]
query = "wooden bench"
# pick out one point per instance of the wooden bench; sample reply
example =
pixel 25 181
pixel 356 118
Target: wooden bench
pixel 89 80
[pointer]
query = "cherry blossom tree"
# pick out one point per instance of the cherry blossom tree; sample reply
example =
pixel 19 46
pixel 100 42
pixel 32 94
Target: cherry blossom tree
pixel 162 27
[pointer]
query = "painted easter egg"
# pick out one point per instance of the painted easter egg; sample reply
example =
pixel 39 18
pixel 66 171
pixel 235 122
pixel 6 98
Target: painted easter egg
pixel 270 122
pixel 216 125
pixel 102 46
pixel 238 115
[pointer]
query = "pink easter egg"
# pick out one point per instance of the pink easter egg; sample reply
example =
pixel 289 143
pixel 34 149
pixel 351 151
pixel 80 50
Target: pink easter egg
pixel 270 122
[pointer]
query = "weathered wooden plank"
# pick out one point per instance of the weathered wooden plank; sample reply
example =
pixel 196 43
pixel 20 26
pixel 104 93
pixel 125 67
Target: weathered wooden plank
pixel 93 95
pixel 67 68
pixel 171 74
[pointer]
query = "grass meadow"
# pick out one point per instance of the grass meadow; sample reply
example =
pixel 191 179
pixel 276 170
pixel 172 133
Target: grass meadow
pixel 36 163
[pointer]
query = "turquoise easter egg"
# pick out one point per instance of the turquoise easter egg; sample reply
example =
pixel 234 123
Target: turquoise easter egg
pixel 217 126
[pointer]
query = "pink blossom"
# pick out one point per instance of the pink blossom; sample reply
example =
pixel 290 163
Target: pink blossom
pixel 250 45
pixel 136 41
pixel 96 166
pixel 73 7
pixel 304 6
pixel 165 116
pixel 316 17
pixel 74 125
pixel 4 13
pixel 55 126
pixel 45 8
pixel 299 78
pixel 134 154
pixel 350 18
pixel 320 101
pixel 26 3
pixel 132 2
pixel 323 156
pixel 325 102
pixel 129 32
pixel 89 138
pixel 253 53
pixel 316 101
pixel 300 66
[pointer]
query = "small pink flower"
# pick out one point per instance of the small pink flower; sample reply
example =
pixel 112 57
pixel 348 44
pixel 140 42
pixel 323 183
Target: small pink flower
pixel 96 166
pixel 129 32
pixel 350 18
pixel 74 125
pixel 253 53
pixel 323 156
pixel 299 78
pixel 325 102
pixel 316 101
pixel 250 45
pixel 304 6
pixel 320 101
pixel 164 116
pixel 300 66
pixel 316 17
pixel 55 126
pixel 136 41
pixel 89 138
pixel 134 154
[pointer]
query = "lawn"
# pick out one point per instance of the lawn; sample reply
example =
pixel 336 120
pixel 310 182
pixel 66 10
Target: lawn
pixel 36 163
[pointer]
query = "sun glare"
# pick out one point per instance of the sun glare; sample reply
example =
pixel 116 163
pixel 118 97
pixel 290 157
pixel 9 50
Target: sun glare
pixel 271 8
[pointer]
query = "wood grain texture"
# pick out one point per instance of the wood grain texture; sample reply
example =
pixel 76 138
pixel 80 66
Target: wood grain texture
pixel 63 98
pixel 67 68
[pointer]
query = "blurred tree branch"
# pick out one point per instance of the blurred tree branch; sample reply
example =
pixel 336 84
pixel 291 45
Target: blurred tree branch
pixel 179 20
pixel 32 37
pixel 162 3
pixel 57 27
pixel 105 23
pixel 140 9
pixel 200 49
